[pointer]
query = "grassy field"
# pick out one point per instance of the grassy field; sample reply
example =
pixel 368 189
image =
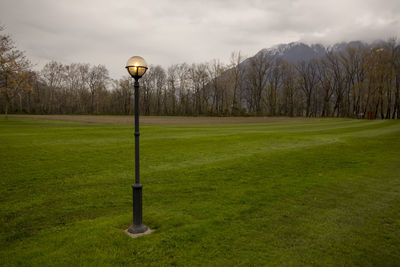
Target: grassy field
pixel 308 192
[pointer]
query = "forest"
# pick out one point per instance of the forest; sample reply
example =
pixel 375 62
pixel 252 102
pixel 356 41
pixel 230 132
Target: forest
pixel 356 82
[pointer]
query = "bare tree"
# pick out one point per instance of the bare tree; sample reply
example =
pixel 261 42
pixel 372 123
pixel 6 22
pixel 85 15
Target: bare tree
pixel 237 76
pixel 52 75
pixel 172 80
pixel 97 80
pixel 274 79
pixel 256 77
pixel 308 81
pixel 215 71
pixel 289 89
pixel 14 71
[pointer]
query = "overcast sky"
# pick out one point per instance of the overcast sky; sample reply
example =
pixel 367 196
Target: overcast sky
pixel 167 32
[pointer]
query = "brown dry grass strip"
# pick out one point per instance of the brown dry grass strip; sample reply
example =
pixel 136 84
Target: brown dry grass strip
pixel 160 120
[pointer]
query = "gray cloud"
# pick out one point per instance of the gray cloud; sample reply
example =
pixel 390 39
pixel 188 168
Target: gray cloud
pixel 167 32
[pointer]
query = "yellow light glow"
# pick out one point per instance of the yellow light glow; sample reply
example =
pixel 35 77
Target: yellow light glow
pixel 136 66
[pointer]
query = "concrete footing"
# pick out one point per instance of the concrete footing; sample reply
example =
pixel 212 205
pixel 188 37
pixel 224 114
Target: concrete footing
pixel 149 231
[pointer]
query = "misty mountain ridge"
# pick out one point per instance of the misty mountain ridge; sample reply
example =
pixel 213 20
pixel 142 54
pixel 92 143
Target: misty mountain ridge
pixel 298 51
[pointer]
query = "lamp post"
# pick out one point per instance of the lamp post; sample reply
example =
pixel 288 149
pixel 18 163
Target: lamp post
pixel 136 67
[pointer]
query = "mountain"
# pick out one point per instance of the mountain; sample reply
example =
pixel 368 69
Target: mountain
pixel 297 51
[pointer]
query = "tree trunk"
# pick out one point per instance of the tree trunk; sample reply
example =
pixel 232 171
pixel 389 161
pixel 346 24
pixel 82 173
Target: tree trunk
pixel 20 103
pixel 6 110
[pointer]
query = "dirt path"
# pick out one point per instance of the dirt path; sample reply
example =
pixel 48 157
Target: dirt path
pixel 160 120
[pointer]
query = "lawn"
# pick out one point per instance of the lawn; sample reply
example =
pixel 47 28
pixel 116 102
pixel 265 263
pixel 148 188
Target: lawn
pixel 305 192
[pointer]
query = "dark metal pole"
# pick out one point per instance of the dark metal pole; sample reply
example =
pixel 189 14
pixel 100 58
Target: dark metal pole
pixel 137 226
pixel 137 133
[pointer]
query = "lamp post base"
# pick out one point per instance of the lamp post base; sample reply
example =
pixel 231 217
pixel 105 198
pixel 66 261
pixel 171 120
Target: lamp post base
pixel 137 229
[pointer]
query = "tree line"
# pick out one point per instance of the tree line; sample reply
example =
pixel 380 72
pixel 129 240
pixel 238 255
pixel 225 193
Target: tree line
pixel 357 82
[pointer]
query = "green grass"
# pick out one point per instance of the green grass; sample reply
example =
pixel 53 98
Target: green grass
pixel 321 192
